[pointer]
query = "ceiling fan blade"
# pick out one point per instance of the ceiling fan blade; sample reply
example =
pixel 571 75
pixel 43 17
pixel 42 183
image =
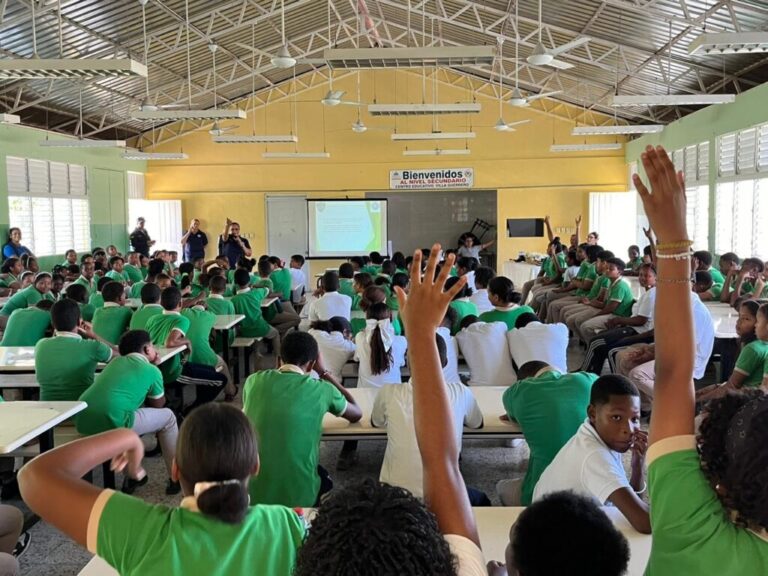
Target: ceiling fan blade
pixel 351 103
pixel 568 45
pixel 337 94
pixel 510 124
pixel 559 64
pixel 543 95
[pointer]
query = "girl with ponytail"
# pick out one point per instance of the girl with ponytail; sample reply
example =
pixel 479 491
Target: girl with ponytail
pixel 501 293
pixel 215 531
pixel 380 352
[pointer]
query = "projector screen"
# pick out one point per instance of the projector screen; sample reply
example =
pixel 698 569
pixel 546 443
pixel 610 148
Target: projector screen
pixel 343 228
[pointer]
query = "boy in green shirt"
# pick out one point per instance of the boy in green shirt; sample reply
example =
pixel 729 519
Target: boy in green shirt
pixel 617 304
pixel 97 298
pixel 65 364
pixel 110 321
pixel 87 273
pixel 701 261
pixel 600 284
pixel 132 268
pixel 220 306
pixel 169 330
pixel 550 407
pixel 281 279
pixel 116 264
pixel 346 280
pixel 150 306
pixel 577 288
pixel 286 407
pixel 263 280
pixel 79 294
pixel 247 301
pixel 27 326
pixel 118 396
pixel 460 304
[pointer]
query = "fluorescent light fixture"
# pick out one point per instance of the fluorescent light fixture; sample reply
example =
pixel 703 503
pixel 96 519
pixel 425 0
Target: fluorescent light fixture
pixel 438 152
pixel 296 155
pixel 356 58
pixel 583 147
pixel 623 129
pixel 673 100
pixel 421 109
pixel 187 114
pixel 730 43
pixel 9 119
pixel 259 139
pixel 78 143
pixel 33 68
pixel 136 155
pixel 434 136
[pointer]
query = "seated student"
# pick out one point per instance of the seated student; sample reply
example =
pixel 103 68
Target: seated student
pixel 741 281
pixel 752 362
pixel 216 302
pixel 617 304
pixel 331 303
pixel 373 266
pixel 609 292
pixel 479 297
pixel 533 340
pixel 264 269
pixel 298 278
pixel 70 258
pixel 132 268
pixel 65 364
pixel 154 269
pixel 703 284
pixel 590 464
pixel 169 330
pixel 150 306
pixel 601 283
pixel 11 271
pixel 57 285
pixel 357 264
pixel 97 298
pixel 114 318
pixel 466 266
pixel 579 286
pixel 461 304
pixel 621 332
pixel 30 263
pixel 701 261
pixel 387 270
pixel 214 531
pixel 451 368
pixel 247 301
pixel 335 342
pixel 502 295
pixel 708 497
pixel 27 326
pixel 393 409
pixel 112 251
pixel 118 396
pixel 361 282
pixel 398 280
pixel 280 402
pixel 346 280
pixel 116 270
pixel 374 295
pixel 552 268
pixel 72 273
pixel 484 347
pixel 79 293
pixel 407 534
pixel 568 273
pixel 380 352
pixel 634 260
pixel 281 279
pixel 549 404
pixel 282 316
pixel 87 276
pixel 39 290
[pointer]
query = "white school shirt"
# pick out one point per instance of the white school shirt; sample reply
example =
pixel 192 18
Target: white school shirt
pixel 537 341
pixel 704 334
pixel 645 306
pixel 329 305
pixel 451 370
pixel 305 322
pixel 393 408
pixel 297 278
pixel 484 346
pixel 480 299
pixel 335 350
pixel 586 466
pixel 366 379
pixel 470 280
pixel 570 273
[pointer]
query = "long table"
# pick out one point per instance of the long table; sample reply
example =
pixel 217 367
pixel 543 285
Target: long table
pixel 23 421
pixel 488 398
pixel 493 526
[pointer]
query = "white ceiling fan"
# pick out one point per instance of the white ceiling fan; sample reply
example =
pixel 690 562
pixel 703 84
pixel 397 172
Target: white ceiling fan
pixel 519 101
pixel 543 56
pixel 218 130
pixel 501 125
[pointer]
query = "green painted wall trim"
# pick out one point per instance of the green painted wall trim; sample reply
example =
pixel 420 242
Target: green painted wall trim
pixel 108 202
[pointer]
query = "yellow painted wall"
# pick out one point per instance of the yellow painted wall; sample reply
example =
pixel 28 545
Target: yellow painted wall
pixel 220 181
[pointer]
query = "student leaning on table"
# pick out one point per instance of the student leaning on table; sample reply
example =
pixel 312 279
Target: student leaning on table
pixel 373 528
pixel 710 493
pixel 214 532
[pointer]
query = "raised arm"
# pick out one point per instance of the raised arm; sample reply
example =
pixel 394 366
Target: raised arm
pixel 549 228
pixel 422 311
pixel 578 229
pixel 665 204
pixel 651 242
pixel 353 413
pixel 224 234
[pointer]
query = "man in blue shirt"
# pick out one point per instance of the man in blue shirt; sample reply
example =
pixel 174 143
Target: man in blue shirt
pixel 232 245
pixel 194 242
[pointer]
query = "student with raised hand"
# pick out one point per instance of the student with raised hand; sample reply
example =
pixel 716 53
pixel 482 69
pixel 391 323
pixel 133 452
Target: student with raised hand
pixel 709 495
pixel 214 531
pixel 112 320
pixel 118 396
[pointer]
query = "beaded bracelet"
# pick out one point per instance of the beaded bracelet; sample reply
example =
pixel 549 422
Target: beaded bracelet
pixel 677 256
pixel 674 245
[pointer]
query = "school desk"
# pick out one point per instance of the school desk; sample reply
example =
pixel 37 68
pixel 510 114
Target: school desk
pixel 493 525
pixel 23 421
pixel 488 398
pixel 224 323
pixel 21 360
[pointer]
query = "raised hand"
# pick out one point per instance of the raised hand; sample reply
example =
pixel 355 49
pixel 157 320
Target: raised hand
pixel 665 202
pixel 648 233
pixel 578 220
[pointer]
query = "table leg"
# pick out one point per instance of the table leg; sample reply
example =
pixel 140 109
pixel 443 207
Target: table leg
pixel 729 349
pixel 225 346
pixel 46 441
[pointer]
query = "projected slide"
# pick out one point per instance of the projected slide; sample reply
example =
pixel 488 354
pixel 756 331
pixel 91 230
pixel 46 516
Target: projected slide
pixel 342 228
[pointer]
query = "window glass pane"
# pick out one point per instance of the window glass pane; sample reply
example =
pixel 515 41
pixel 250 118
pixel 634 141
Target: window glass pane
pixel 724 202
pixel 81 225
pixel 743 205
pixel 42 226
pixel 760 240
pixel 62 207
pixel 700 234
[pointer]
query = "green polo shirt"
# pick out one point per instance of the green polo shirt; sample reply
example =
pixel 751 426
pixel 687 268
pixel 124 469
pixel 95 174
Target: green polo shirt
pixel 220 307
pixel 463 308
pixel 347 287
pixel 142 315
pixel 90 286
pixel 136 289
pixel 121 277
pixel 139 538
pixel 132 273
pixel 8 280
pixel 66 363
pixel 717 276
pixel 549 408
pixel 249 303
pixel 621 292
pixel 282 280
pixel 751 361
pixel 586 272
pixel 160 327
pixel 26 327
pixel 509 317
pixel 111 322
pixel 24 299
pixel 692 532
pixel 279 403
pixel 199 334
pixel 116 394
pixel 372 270
pixel 635 264
pixel 86 311
pixel 601 283
pixel 550 270
pixel 96 300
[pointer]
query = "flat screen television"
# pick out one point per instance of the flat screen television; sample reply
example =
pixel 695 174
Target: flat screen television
pixel 525 227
